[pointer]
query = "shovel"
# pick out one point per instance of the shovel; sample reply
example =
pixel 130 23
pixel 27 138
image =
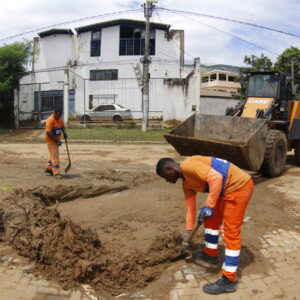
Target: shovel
pixel 186 243
pixel 67 169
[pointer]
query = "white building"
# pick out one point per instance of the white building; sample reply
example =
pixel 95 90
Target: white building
pixel 97 63
pixel 220 83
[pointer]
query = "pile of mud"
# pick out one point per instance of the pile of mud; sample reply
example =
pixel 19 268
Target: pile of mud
pixel 70 255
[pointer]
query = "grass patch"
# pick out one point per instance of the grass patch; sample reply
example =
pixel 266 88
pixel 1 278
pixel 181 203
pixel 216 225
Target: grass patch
pixel 86 134
pixel 3 131
pixel 114 134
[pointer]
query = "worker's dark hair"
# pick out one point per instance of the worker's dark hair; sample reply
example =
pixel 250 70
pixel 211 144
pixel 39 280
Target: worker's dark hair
pixel 161 164
pixel 58 111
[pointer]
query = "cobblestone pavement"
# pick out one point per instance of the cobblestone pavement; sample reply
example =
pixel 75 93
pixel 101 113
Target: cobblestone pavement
pixel 16 285
pixel 281 282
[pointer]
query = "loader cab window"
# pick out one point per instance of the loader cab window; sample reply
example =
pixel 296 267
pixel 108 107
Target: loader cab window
pixel 263 86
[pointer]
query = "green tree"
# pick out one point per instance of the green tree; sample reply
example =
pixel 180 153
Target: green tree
pixel 256 63
pixel 13 60
pixel 288 59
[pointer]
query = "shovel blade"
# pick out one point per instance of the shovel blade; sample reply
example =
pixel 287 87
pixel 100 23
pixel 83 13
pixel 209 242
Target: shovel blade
pixel 67 169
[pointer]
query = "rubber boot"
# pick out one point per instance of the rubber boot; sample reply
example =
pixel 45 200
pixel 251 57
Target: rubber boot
pixel 222 285
pixel 199 254
pixel 49 172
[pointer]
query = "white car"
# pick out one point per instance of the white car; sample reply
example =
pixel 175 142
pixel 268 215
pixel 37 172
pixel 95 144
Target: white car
pixel 107 112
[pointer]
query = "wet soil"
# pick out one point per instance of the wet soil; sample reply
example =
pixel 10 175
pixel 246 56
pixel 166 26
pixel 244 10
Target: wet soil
pixel 112 223
pixel 69 254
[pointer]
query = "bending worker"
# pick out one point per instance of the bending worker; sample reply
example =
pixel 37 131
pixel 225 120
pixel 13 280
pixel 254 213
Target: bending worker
pixel 54 127
pixel 229 191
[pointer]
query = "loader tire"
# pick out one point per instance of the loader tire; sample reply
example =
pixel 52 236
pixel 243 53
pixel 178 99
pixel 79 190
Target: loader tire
pixel 275 154
pixel 297 153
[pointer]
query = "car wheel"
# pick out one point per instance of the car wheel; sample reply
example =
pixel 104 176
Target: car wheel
pixel 117 118
pixel 85 118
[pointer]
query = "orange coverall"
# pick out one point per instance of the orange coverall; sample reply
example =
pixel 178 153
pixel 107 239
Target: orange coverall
pixel 229 206
pixel 55 127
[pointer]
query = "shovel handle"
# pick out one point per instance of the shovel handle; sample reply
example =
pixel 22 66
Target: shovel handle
pixel 193 232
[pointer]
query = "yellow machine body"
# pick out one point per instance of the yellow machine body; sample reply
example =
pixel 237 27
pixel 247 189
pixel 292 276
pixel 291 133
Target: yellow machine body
pixel 253 104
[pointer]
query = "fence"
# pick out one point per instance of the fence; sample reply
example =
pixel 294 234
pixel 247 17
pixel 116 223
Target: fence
pixel 42 92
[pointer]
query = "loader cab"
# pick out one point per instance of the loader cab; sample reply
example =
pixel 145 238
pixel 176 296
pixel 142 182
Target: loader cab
pixel 266 93
pixel 275 85
pixel 263 85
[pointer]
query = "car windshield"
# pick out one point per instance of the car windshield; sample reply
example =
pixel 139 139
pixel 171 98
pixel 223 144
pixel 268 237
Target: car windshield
pixel 263 85
pixel 120 105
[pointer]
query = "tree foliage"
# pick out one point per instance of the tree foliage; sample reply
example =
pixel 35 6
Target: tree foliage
pixel 13 60
pixel 256 63
pixel 289 57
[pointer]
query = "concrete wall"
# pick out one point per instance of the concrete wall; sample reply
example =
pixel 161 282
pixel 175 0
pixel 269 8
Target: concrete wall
pixel 215 106
pixel 181 96
pixel 54 51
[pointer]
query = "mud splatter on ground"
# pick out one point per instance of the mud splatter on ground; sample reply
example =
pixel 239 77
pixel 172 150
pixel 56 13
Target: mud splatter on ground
pixel 66 253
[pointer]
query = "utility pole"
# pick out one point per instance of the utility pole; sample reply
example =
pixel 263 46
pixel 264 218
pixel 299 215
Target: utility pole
pixel 148 7
pixel 293 77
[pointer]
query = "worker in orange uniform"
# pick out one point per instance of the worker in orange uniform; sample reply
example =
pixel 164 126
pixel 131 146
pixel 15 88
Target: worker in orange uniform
pixel 54 127
pixel 229 191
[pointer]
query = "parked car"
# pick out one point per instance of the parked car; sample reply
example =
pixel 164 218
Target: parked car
pixel 107 112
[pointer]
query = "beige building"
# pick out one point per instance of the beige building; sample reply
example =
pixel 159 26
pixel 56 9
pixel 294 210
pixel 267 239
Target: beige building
pixel 220 83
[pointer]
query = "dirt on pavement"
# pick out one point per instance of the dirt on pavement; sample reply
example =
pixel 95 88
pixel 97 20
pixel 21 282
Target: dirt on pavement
pixel 112 223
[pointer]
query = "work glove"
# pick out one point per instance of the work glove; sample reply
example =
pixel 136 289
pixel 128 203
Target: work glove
pixel 205 213
pixel 185 237
pixel 58 143
pixel 65 135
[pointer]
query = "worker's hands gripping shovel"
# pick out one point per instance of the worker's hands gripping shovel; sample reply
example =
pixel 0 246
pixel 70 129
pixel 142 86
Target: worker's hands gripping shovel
pixel 186 242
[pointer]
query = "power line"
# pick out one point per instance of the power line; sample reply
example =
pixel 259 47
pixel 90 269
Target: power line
pixel 184 52
pixel 222 31
pixel 229 20
pixel 70 22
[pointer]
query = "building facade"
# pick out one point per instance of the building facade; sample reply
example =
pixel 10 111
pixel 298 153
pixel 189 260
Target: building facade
pixel 100 63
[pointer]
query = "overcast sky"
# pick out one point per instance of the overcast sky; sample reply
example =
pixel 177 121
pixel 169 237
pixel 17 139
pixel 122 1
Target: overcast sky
pixel 204 37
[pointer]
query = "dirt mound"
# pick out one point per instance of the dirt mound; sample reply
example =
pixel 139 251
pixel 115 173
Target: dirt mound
pixel 130 177
pixel 68 254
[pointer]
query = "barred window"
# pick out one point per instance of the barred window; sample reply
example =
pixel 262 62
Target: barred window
pixel 132 41
pixel 96 43
pixel 103 74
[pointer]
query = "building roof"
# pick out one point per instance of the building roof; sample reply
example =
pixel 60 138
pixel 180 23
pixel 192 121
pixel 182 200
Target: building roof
pixel 55 31
pixel 121 22
pixel 219 71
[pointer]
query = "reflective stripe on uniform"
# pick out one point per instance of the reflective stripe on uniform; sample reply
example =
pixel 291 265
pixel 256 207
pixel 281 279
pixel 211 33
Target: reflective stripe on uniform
pixel 211 231
pixel 235 253
pixel 229 269
pixel 211 245
pixel 231 260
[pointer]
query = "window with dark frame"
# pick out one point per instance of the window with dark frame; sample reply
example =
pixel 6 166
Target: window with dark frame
pixel 222 77
pixel 96 43
pixel 132 40
pixel 104 74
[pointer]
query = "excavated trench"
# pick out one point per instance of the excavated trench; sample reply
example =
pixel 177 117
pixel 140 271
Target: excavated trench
pixel 66 253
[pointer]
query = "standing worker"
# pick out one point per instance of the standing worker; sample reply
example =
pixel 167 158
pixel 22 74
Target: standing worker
pixel 229 191
pixel 54 126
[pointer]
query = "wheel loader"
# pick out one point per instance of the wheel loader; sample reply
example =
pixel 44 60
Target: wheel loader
pixel 255 134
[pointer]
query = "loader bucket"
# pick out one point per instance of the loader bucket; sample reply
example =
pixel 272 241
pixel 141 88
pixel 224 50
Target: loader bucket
pixel 236 139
